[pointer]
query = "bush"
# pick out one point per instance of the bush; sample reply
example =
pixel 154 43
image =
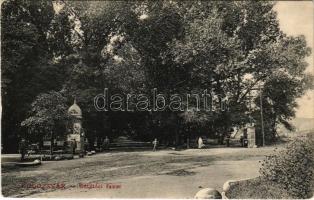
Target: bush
pixel 292 168
pixel 257 188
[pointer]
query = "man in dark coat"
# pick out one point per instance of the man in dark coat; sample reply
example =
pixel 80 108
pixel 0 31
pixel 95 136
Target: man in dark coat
pixel 22 148
pixel 74 146
pixel 106 143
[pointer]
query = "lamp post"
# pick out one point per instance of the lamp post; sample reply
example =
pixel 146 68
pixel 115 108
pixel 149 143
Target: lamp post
pixel 262 118
pixel 261 113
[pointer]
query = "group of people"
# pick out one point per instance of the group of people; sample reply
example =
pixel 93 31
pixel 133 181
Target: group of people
pixel 221 138
pixel 24 147
pixel 200 143
pixel 72 144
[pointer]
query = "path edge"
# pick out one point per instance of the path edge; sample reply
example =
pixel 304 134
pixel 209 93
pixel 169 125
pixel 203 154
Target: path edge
pixel 230 183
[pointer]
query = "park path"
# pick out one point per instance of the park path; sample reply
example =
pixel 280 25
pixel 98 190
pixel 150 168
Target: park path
pixel 178 179
pixel 167 186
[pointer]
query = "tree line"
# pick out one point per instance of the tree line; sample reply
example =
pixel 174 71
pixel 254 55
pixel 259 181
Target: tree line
pixel 53 52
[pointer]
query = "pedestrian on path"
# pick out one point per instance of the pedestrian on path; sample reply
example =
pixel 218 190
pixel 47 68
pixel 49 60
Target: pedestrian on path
pixel 200 143
pixel 74 146
pixel 228 139
pixel 155 144
pixel 106 143
pixel 22 148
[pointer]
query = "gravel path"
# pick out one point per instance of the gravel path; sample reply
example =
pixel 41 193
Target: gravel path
pixel 163 174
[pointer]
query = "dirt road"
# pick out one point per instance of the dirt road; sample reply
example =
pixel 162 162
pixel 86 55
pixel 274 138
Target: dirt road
pixel 163 174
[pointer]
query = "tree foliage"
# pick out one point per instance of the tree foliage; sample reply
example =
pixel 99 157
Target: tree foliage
pixel 292 168
pixel 81 47
pixel 48 115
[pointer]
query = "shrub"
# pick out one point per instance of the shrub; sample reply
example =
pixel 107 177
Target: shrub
pixel 257 188
pixel 292 168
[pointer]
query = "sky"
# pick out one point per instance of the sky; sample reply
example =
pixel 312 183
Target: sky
pixel 296 18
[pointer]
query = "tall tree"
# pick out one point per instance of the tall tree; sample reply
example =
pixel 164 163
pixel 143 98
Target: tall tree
pixel 25 68
pixel 48 117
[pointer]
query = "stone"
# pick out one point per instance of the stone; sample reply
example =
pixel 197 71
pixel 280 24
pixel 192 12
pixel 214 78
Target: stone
pixel 208 193
pixel 58 158
pixel 37 161
pixel 227 185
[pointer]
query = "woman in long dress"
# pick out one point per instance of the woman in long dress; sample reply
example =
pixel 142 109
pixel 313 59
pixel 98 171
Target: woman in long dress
pixel 200 143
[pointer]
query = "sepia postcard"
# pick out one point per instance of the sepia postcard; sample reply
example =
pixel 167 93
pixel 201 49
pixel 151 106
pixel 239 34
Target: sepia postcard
pixel 162 99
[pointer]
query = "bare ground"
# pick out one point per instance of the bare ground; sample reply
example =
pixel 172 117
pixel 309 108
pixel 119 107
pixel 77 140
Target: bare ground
pixel 143 174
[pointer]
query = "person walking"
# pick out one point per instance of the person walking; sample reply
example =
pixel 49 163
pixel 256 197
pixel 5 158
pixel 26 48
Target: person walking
pixel 22 148
pixel 74 146
pixel 155 144
pixel 106 143
pixel 221 139
pixel 65 146
pixel 228 139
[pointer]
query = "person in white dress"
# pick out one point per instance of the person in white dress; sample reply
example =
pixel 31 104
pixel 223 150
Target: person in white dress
pixel 200 143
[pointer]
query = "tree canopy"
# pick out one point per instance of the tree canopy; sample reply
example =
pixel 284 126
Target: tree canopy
pixel 53 52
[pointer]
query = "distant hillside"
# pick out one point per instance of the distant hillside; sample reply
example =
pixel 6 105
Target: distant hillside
pixel 301 124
